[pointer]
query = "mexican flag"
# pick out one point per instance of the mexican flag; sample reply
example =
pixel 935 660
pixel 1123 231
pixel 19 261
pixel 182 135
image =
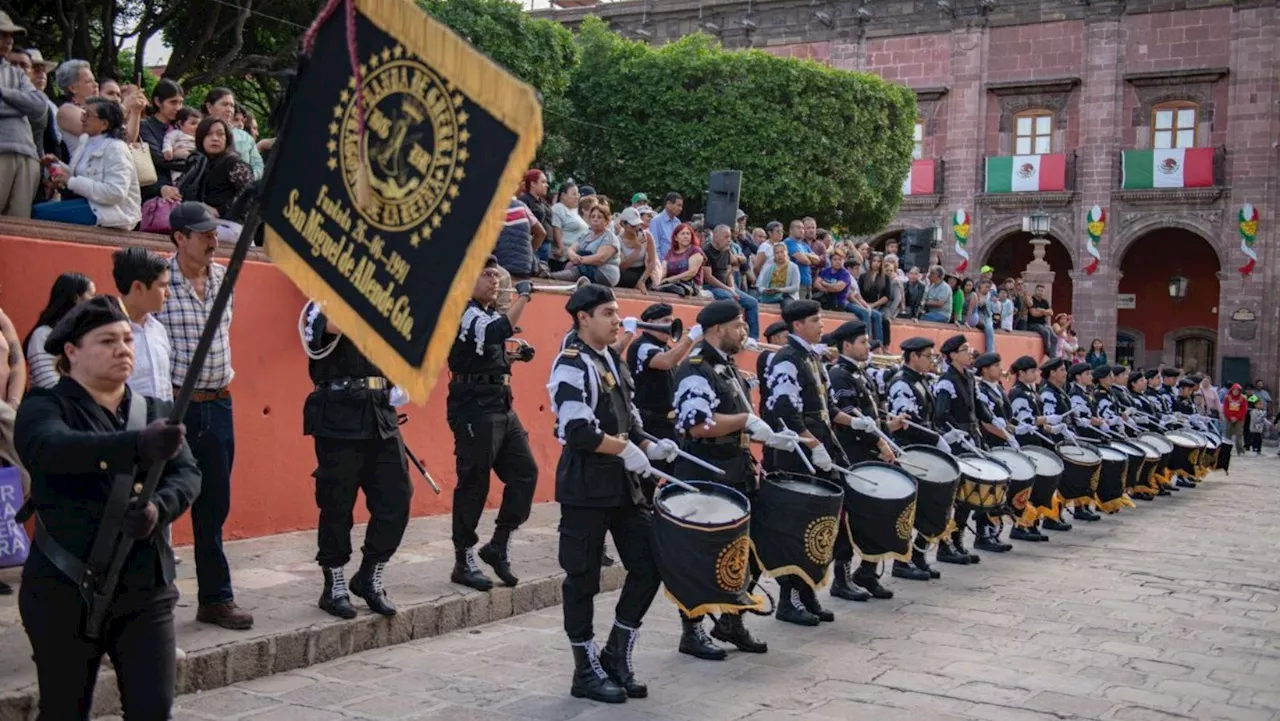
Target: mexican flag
pixel 1168 168
pixel 920 179
pixel 1026 173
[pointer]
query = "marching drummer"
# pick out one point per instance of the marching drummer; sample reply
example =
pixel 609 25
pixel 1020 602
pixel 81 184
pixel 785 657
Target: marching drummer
pixel 991 394
pixel 775 334
pixel 598 492
pixel 1028 420
pixel 957 411
pixel 1168 389
pixel 852 394
pixel 1055 403
pixel 1104 400
pixel 794 397
pixel 715 422
pixel 652 359
pixel 1079 383
pixel 910 399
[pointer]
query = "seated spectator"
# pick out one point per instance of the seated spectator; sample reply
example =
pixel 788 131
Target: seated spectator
pixel 166 103
pixel 74 79
pixel 683 263
pixel 717 277
pixel 101 173
pixel 764 246
pixel 957 299
pixel 854 302
pixel 912 295
pixel 218 174
pixel 520 235
pixel 533 193
pixel 21 106
pixel 639 253
pixel 937 297
pixel 133 101
pixel 567 225
pixel 894 291
pixel 1002 310
pixel 779 278
pixel 873 284
pixel 596 256
pixel 833 285
pixel 180 141
pixel 1039 318
pixel 69 290
pixel 1097 355
pixel 221 103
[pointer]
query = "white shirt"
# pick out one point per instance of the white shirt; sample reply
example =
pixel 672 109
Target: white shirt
pixel 152 360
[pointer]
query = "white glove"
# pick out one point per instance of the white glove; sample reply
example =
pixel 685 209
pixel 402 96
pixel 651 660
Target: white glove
pixel 955 435
pixel 821 458
pixel 1054 420
pixel 695 333
pixel 783 441
pixel 1000 423
pixel 752 345
pixel 862 423
pixel 398 397
pixel 1058 429
pixel 758 429
pixel 635 460
pixel 944 446
pixel 1013 442
pixel 629 325
pixel 664 451
pixel 1024 429
pixel 821 348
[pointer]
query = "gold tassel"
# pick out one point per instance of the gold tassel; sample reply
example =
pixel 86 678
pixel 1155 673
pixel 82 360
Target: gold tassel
pixel 758 603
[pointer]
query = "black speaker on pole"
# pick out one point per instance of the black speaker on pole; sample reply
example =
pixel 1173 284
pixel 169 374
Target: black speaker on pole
pixel 915 246
pixel 722 198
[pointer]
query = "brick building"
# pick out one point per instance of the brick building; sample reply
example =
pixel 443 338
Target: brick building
pixel 1048 108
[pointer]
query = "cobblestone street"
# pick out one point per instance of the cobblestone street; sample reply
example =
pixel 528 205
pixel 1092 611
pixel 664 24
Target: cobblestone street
pixel 1168 611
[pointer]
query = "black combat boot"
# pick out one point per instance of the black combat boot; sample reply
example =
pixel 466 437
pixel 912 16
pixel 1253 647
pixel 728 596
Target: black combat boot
pixel 730 628
pixel 867 579
pixel 957 542
pixel 494 553
pixel 1082 513
pixel 989 541
pixel 1052 524
pixel 467 572
pixel 921 561
pixel 367 584
pixel 1026 534
pixel 791 609
pixel 695 642
pixel 589 678
pixel 616 660
pixel 1184 482
pixel 904 570
pixel 947 554
pixel 810 600
pixel 840 586
pixel 335 600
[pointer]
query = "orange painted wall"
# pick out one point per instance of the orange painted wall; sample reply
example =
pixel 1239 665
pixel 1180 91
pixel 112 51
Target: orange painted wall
pixel 1147 267
pixel 272 485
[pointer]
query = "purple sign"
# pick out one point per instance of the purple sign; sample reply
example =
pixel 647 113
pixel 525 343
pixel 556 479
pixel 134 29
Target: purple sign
pixel 13 537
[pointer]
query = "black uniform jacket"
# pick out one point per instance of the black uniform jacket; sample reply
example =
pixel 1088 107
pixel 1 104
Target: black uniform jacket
pixel 708 383
pixel 796 393
pixel 909 395
pixel 993 398
pixel 955 404
pixel 479 371
pixel 73 449
pixel 332 411
pixel 852 390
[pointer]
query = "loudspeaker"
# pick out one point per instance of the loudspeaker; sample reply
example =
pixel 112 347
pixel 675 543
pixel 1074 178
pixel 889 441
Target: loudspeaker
pixel 722 198
pixel 915 246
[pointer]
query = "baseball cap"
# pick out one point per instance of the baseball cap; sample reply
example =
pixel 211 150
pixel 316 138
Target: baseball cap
pixel 988 269
pixel 191 215
pixel 741 214
pixel 644 210
pixel 639 198
pixel 630 216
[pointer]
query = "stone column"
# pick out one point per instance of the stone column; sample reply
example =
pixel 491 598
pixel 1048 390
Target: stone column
pixel 1102 286
pixel 966 103
pixel 1038 271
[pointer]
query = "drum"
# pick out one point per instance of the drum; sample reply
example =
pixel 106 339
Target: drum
pixel 1137 459
pixel 937 473
pixel 984 484
pixel 880 510
pixel 1152 459
pixel 1081 465
pixel 1224 455
pixel 1209 456
pixel 1165 448
pixel 1044 492
pixel 1109 493
pixel 1022 476
pixel 1111 499
pixel 794 524
pixel 703 545
pixel 1186 451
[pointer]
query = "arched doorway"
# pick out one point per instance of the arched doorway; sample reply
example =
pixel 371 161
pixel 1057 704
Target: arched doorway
pixel 1010 256
pixel 1178 331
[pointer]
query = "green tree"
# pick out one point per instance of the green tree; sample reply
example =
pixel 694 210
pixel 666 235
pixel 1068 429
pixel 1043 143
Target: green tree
pixel 809 140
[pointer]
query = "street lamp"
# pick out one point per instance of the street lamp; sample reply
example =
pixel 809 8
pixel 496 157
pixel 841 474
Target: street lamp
pixel 935 238
pixel 1178 287
pixel 1037 224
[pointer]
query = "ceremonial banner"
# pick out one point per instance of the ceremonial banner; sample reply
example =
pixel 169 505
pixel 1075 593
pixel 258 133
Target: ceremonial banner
pixel 920 179
pixel 1167 168
pixel 1026 173
pixel 389 192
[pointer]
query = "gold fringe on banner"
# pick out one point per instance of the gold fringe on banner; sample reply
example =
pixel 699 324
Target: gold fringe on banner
pixel 1115 504
pixel 1054 510
pixel 875 557
pixel 946 532
pixel 796 571
pixel 758 603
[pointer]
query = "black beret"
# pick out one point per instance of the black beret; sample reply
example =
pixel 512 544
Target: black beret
pixel 1119 370
pixel 1195 378
pixel 1135 377
pixel 1052 365
pixel 1150 373
pixel 849 330
pixel 718 312
pixel 587 298
pixel 916 344
pixel 876 345
pixel 656 311
pixel 986 359
pixel 1101 372
pixel 799 310
pixel 1023 363
pixel 96 312
pixel 491 262
pixel 1078 368
pixel 952 344
pixel 775 328
pixel 1186 383
pixel 1171 372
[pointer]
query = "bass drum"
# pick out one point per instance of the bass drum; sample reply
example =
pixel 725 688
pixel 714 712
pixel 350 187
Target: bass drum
pixel 880 511
pixel 937 474
pixel 1212 450
pixel 1044 492
pixel 1022 477
pixel 1151 461
pixel 1081 466
pixel 1165 448
pixel 1120 463
pixel 1187 446
pixel 794 526
pixel 702 543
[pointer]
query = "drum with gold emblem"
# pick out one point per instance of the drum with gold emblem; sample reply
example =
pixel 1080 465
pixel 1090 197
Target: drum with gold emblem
pixel 702 540
pixel 880 511
pixel 794 524
pixel 1022 477
pixel 938 473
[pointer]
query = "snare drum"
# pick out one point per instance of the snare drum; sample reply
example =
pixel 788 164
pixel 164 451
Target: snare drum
pixel 794 525
pixel 984 484
pixel 1224 455
pixel 938 473
pixel 1120 464
pixel 880 510
pixel 1146 482
pixel 1022 476
pixel 1186 451
pixel 1209 456
pixel 702 547
pixel 1081 466
pixel 1044 492
pixel 1165 449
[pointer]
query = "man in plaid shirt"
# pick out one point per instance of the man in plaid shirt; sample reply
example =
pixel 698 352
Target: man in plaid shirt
pixel 194 282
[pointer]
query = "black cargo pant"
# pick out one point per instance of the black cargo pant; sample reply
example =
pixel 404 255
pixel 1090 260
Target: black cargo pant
pixel 498 443
pixel 582 531
pixel 138 635
pixel 378 467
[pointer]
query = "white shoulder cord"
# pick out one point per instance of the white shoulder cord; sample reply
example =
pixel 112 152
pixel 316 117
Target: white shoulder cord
pixel 305 332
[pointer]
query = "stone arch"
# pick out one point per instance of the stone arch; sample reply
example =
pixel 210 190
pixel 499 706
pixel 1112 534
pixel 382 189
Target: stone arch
pixel 1152 222
pixel 1001 231
pixel 1173 337
pixel 1139 344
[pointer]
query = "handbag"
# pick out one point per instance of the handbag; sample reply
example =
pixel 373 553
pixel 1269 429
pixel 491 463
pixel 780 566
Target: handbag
pixel 14 544
pixel 143 163
pixel 155 215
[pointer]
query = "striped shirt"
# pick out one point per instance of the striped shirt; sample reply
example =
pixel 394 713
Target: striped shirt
pixel 184 316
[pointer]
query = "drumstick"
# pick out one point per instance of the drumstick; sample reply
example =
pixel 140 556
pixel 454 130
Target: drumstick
pixel 687 456
pixel 969 444
pixel 883 436
pixel 673 479
pixel 795 448
pixel 917 426
pixel 1043 437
